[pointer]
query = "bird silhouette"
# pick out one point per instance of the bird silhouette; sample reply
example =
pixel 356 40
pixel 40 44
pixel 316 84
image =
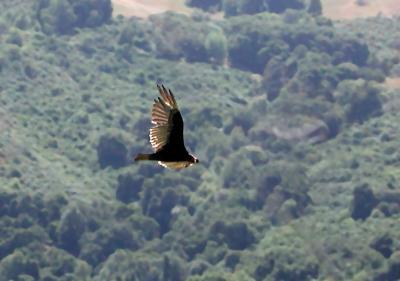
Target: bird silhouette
pixel 166 136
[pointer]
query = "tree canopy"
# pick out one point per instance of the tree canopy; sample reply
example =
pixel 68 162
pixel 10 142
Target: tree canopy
pixel 288 112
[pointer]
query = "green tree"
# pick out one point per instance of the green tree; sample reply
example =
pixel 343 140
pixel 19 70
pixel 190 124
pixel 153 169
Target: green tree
pixel 282 5
pixel 63 16
pixel 315 7
pixel 70 230
pixel 91 13
pixel 207 5
pixel 251 7
pixel 359 98
pixel 230 8
pixel 178 36
pixel 16 265
pixel 56 16
pixel 15 38
pixel 274 78
pixel 216 46
pixel 128 265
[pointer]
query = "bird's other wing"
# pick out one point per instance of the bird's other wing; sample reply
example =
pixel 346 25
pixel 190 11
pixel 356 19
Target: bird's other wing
pixel 159 136
pixel 167 120
pixel 175 165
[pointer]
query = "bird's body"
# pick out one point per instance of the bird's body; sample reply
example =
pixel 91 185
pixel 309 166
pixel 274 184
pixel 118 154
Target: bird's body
pixel 166 137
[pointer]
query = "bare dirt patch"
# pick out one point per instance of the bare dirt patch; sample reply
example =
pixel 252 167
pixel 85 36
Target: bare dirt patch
pixel 145 8
pixel 392 83
pixel 334 9
pixel 348 9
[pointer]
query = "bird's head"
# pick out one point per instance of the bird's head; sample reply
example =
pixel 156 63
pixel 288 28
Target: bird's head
pixel 193 159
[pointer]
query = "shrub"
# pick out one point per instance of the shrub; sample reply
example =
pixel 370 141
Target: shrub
pixel 237 235
pixel 359 98
pixel 71 227
pixel 128 188
pixel 363 202
pixel 17 265
pixel 111 151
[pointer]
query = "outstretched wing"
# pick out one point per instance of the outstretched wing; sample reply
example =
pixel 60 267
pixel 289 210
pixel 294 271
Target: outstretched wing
pixel 175 165
pixel 167 120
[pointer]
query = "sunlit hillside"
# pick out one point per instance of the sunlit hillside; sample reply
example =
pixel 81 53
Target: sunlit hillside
pixel 351 9
pixel 294 117
pixel 144 8
pixel 334 9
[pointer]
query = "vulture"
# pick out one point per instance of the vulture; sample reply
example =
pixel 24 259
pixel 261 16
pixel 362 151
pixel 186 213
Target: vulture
pixel 166 136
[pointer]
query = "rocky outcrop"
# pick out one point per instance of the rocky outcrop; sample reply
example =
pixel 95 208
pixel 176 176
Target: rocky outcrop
pixel 310 130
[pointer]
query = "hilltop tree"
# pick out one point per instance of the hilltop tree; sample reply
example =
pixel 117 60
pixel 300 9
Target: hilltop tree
pixel 361 2
pixel 315 7
pixel 359 98
pixel 63 16
pixel 207 5
pixel 230 8
pixel 177 36
pixel 251 7
pixel 71 228
pixel 280 6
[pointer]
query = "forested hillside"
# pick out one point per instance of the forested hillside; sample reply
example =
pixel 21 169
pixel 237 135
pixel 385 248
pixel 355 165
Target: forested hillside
pixel 289 113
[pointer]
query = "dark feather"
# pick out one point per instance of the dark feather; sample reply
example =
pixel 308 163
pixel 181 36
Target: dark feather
pixel 166 136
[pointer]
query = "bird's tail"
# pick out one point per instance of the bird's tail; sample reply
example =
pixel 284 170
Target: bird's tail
pixel 141 156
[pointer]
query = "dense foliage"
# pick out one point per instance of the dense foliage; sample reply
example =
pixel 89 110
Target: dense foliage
pixel 62 16
pixel 296 135
pixel 382 35
pixel 250 7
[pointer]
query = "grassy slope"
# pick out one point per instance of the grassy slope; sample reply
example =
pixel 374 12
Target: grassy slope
pixel 393 83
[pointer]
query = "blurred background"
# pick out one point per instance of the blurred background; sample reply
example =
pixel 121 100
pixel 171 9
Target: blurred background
pixel 291 107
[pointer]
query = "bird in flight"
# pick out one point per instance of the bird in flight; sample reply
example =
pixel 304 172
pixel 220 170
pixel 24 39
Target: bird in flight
pixel 166 136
